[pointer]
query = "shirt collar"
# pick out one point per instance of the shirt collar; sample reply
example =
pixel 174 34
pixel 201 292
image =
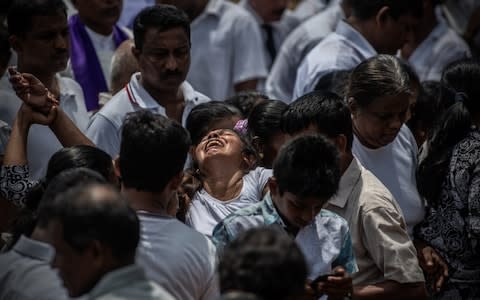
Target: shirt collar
pixel 34 249
pixel 348 181
pixel 116 279
pixel 352 35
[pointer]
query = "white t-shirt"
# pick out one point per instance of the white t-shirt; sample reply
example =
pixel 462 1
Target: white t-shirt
pixel 178 258
pixel 395 165
pixel 206 211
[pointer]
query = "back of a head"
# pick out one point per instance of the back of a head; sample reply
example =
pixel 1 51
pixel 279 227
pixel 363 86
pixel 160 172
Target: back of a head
pixel 203 116
pixel 161 17
pixel 21 12
pixel 123 66
pixel 308 166
pixel 245 101
pixel 80 156
pixel 153 150
pixel 5 52
pixel 265 262
pixel 334 81
pixel 324 110
pixel 367 9
pixel 264 119
pixel 94 212
pixel 379 76
pixel 460 86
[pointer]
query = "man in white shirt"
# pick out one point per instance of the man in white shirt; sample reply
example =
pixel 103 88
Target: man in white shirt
pixel 41 42
pixel 380 27
pixel 152 155
pixel 433 45
pixel 162 48
pixel 227 41
pixel 299 43
pixel 94 37
pixel 274 21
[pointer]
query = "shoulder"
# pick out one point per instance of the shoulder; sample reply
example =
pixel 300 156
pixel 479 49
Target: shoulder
pixel 374 194
pixel 115 109
pixel 331 222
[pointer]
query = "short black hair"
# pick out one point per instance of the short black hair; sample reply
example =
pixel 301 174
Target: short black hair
pixel 327 111
pixel 5 52
pixel 80 156
pixel 334 81
pixel 308 166
pixel 366 9
pixel 245 101
pixel 263 261
pixel 86 216
pixel 21 13
pixel 162 17
pixel 201 118
pixel 153 150
pixel 264 120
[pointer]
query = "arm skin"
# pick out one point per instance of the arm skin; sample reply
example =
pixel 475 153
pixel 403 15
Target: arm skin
pixel 390 290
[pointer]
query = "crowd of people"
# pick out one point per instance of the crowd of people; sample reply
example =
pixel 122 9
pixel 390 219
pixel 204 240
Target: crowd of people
pixel 253 149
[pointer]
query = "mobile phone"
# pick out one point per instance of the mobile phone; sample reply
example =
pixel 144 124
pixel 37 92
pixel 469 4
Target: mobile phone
pixel 320 278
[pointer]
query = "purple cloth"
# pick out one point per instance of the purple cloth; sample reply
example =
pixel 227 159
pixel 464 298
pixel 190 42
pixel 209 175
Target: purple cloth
pixel 85 64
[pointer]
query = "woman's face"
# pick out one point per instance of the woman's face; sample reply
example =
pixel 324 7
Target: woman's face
pixel 378 124
pixel 219 143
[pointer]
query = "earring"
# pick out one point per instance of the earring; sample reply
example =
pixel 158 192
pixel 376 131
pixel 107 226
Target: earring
pixel 260 155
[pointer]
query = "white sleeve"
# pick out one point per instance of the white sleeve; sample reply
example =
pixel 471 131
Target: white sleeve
pixel 104 135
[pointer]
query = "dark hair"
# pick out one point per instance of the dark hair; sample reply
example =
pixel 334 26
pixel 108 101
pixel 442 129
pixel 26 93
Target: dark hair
pixel 153 150
pixel 162 17
pixel 460 82
pixel 87 215
pixel 246 100
pixel 334 81
pixel 327 111
pixel 203 116
pixel 27 219
pixel 366 9
pixel 379 76
pixel 429 106
pixel 21 13
pixel 80 156
pixel 263 261
pixel 308 166
pixel 5 52
pixel 264 120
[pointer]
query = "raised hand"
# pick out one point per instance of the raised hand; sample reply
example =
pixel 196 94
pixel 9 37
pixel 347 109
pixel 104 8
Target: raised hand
pixel 32 91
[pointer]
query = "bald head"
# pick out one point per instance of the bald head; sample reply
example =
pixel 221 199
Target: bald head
pixel 124 65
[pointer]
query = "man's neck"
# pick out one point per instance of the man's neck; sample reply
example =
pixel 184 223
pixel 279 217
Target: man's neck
pixel 172 100
pixel 155 203
pixel 365 28
pixel 289 228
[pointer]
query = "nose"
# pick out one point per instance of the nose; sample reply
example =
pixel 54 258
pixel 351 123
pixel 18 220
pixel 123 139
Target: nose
pixel 61 42
pixel 213 134
pixel 171 63
pixel 397 121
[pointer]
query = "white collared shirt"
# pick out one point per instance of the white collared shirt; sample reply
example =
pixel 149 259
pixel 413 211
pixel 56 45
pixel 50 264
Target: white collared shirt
pixel 299 43
pixel 42 143
pixel 226 42
pixel 281 28
pixel 105 127
pixel 343 49
pixel 441 47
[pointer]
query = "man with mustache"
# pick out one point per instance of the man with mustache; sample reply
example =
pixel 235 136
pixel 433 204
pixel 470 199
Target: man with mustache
pixel 162 49
pixel 94 38
pixel 38 32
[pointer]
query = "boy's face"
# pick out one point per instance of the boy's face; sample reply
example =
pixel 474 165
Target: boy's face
pixel 297 211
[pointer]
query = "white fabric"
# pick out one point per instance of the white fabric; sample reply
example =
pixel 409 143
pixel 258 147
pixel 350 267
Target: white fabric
pixel 130 10
pixel 343 49
pixel 308 8
pixel 206 211
pixel 440 48
pixel 42 143
pixel 299 43
pixel 395 165
pixel 226 41
pixel 281 28
pixel 105 127
pixel 177 257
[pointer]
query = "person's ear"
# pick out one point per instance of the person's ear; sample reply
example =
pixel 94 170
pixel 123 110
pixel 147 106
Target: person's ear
pixel 273 187
pixel 249 161
pixel 341 143
pixel 353 106
pixel 382 16
pixel 15 43
pixel 116 167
